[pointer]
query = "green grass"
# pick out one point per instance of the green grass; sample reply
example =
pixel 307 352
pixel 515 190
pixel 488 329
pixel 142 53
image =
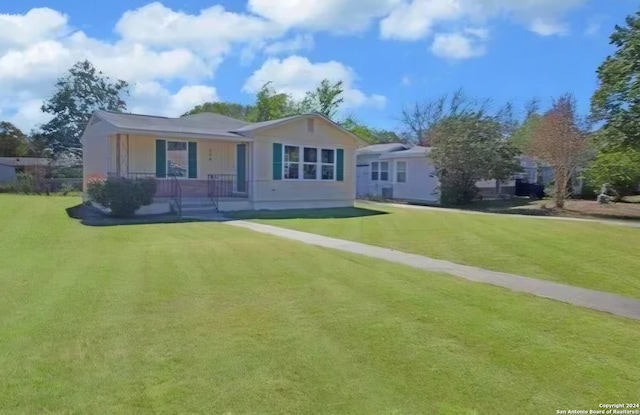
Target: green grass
pixel 590 255
pixel 207 318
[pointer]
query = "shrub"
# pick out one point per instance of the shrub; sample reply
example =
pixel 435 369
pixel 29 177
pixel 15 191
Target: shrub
pixel 123 196
pixel 24 184
pixel 620 169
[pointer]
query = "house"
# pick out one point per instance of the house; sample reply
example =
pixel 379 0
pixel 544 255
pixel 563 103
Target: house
pixel 398 171
pixel 304 161
pixel 10 166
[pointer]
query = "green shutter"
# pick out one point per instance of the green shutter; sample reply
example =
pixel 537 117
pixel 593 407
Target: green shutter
pixel 161 158
pixel 241 167
pixel 193 160
pixel 340 165
pixel 277 161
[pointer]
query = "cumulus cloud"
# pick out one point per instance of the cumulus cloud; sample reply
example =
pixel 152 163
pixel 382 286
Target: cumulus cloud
pixel 456 46
pixel 154 98
pixel 296 75
pixel 289 46
pixel 337 16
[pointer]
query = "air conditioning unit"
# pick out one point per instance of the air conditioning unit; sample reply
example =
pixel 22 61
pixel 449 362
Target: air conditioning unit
pixel 387 192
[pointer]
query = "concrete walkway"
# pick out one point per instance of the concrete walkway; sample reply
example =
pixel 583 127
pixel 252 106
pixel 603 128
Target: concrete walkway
pixel 627 223
pixel 595 300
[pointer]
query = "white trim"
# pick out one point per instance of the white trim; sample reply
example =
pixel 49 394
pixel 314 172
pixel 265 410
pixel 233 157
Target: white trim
pixel 406 172
pixel 318 163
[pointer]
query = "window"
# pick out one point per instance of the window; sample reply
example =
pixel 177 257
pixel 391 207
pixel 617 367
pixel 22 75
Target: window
pixel 310 166
pixel 328 164
pixel 316 163
pixel 380 171
pixel 401 171
pixel 177 158
pixel 291 162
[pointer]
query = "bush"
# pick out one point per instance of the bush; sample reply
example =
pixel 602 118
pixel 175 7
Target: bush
pixel 23 184
pixel 123 196
pixel 621 169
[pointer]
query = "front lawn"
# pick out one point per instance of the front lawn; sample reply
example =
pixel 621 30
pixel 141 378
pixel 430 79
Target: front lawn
pixel 208 318
pixel 590 255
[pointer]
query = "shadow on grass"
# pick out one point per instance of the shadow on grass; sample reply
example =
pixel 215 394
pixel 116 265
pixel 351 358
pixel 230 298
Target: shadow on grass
pixel 91 217
pixel 329 213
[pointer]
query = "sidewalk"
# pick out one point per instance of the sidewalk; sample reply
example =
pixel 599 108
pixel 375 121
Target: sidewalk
pixel 596 300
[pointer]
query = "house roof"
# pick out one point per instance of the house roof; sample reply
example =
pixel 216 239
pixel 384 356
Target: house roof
pixel 205 124
pixel 382 148
pixel 202 124
pixel 23 161
pixel 417 151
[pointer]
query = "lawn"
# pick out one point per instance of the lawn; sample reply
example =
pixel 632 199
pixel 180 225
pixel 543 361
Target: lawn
pixel 596 256
pixel 207 318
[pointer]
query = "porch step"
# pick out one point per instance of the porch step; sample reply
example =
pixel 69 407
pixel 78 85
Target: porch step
pixel 197 204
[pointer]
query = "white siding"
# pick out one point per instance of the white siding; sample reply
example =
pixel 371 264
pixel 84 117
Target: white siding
pixel 95 152
pixel 421 184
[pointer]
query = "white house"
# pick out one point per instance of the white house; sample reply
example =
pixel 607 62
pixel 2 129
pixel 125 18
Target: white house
pixel 398 171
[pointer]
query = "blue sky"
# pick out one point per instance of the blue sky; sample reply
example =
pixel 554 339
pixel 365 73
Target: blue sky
pixel 389 52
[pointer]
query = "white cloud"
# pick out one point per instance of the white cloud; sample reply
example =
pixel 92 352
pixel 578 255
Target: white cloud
pixel 406 80
pixel 36 25
pixel 289 46
pixel 154 98
pixel 416 19
pixel 28 115
pixel 213 31
pixel 456 46
pixel 548 28
pixel 296 75
pixel 337 16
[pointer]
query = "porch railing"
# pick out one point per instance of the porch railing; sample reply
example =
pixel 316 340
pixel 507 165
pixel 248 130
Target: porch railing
pixel 227 186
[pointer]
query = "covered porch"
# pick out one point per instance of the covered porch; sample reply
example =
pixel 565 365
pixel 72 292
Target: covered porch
pixel 196 168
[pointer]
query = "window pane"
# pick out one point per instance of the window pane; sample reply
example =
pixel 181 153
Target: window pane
pixel 177 158
pixel 291 154
pixel 384 166
pixel 401 166
pixel 310 171
pixel 374 167
pixel 384 176
pixel 177 146
pixel 291 171
pixel 402 177
pixel 327 156
pixel 310 155
pixel 374 176
pixel 327 172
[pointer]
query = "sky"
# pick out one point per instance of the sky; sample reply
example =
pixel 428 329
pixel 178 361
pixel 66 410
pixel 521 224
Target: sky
pixel 389 53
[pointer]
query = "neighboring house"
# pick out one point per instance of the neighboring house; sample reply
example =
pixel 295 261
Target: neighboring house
pixel 10 166
pixel 304 161
pixel 397 171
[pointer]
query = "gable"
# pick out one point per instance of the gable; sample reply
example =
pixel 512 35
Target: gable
pixel 308 130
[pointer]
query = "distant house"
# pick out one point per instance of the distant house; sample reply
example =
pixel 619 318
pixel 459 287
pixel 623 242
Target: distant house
pixel 10 166
pixel 398 171
pixel 304 161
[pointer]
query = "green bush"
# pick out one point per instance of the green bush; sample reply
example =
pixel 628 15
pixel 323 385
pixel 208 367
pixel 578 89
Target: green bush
pixel 620 169
pixel 123 196
pixel 24 183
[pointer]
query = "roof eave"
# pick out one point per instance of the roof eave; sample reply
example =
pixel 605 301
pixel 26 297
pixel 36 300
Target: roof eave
pixel 180 134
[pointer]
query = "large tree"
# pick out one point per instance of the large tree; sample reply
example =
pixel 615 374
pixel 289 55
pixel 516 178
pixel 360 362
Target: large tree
pixel 271 105
pixel 560 139
pixel 325 99
pixel 230 109
pixel 369 134
pixel 13 142
pixel 617 99
pixel 469 143
pixel 77 95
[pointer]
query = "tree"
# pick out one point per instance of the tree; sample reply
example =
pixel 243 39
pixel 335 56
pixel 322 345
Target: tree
pixel 13 142
pixel 420 118
pixel 325 99
pixel 469 142
pixel 560 140
pixel 230 109
pixel 77 95
pixel 370 135
pixel 271 105
pixel 617 99
pixel 621 169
